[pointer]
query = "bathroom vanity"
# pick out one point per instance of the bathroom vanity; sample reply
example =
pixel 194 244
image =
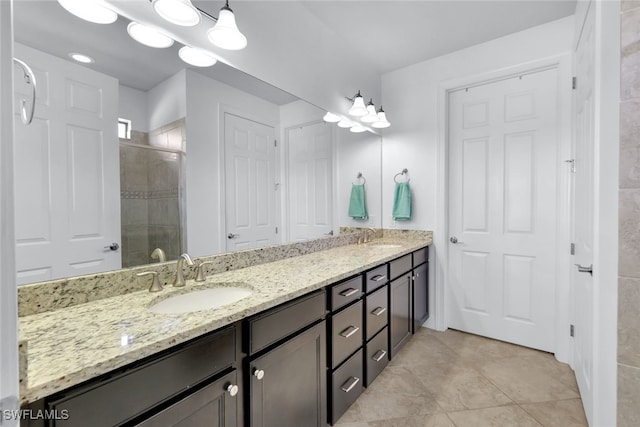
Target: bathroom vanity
pixel 316 331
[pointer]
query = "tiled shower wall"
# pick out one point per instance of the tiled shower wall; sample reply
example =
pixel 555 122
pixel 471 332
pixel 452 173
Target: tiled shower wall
pixel 151 191
pixel 629 219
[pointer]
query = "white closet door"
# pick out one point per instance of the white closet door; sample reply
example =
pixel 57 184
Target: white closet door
pixel 310 182
pixel 250 163
pixel 503 139
pixel 67 173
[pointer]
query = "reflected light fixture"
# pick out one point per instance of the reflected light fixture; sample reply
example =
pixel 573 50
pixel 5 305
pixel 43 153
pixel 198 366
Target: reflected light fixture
pixel 382 121
pixel 179 12
pixel 148 36
pixel 196 57
pixel 358 108
pixel 331 118
pixel 345 123
pixel 90 10
pixel 357 128
pixel 371 115
pixel 225 34
pixel 85 59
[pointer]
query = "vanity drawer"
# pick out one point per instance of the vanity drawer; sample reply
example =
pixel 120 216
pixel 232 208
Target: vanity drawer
pixel 345 292
pixel 399 266
pixel 346 333
pixel 135 390
pixel 420 256
pixel 346 386
pixel 377 355
pixel 376 278
pixel 376 306
pixel 280 322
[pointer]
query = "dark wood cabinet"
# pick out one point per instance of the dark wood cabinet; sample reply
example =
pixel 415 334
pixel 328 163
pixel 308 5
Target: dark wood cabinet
pixel 400 316
pixel 287 385
pixel 215 405
pixel 420 296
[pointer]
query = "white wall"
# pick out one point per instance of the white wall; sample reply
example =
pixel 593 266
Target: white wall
pixel 133 106
pixel 167 102
pixel 410 98
pixel 207 100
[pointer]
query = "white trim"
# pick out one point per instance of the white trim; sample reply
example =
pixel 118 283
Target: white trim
pixel 563 64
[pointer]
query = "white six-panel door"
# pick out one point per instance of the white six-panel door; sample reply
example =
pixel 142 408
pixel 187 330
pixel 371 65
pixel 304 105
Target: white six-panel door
pixel 502 212
pixel 310 181
pixel 67 173
pixel 250 163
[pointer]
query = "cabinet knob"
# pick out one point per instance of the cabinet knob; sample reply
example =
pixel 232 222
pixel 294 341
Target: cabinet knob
pixel 232 389
pixel 258 373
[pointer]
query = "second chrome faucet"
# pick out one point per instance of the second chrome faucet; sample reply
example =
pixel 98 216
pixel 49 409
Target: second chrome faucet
pixel 180 279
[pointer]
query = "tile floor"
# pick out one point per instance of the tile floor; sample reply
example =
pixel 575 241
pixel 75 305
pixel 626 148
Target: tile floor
pixel 454 379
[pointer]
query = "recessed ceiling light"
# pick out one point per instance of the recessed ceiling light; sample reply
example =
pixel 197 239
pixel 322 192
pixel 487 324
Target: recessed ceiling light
pixel 345 123
pixel 148 36
pixel 85 59
pixel 357 128
pixel 196 57
pixel 179 12
pixel 90 10
pixel 331 118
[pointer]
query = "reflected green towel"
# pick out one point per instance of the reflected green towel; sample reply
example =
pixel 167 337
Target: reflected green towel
pixel 402 202
pixel 357 203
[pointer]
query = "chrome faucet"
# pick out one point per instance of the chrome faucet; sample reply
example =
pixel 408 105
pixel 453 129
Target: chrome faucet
pixel 159 255
pixel 366 232
pixel 180 280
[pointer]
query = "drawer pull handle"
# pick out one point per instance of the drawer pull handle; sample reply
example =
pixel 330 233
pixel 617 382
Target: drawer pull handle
pixel 232 389
pixel 258 373
pixel 350 384
pixel 378 311
pixel 378 278
pixel 349 292
pixel 349 331
pixel 379 355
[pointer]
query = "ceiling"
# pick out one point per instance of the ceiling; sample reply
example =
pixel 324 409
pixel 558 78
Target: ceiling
pixel 384 35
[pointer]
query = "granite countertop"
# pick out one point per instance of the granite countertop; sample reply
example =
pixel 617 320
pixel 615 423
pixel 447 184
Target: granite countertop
pixel 68 346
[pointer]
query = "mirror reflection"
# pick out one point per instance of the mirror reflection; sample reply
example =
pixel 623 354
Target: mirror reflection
pixel 209 160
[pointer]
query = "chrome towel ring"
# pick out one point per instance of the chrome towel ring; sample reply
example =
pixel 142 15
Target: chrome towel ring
pixel 29 78
pixel 404 173
pixel 358 177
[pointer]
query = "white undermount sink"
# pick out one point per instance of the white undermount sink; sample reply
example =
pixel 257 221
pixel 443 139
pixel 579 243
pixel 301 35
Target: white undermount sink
pixel 202 299
pixel 385 245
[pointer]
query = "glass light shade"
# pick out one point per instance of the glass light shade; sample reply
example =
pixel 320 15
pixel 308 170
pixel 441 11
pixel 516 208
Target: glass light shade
pixel 85 59
pixel 148 36
pixel 345 123
pixel 225 34
pixel 371 115
pixel 382 120
pixel 358 108
pixel 357 128
pixel 179 12
pixel 331 118
pixel 90 10
pixel 196 57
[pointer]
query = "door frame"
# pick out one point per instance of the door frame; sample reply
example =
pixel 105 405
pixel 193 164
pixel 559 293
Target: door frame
pixel 563 63
pixel 222 152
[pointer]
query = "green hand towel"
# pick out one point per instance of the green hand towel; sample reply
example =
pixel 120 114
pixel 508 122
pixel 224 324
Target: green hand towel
pixel 357 203
pixel 402 202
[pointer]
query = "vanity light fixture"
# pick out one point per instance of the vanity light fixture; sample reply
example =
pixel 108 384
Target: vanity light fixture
pixel 179 12
pixel 196 57
pixel 371 115
pixel 345 123
pixel 225 34
pixel 382 121
pixel 90 10
pixel 85 59
pixel 358 109
pixel 331 118
pixel 148 36
pixel 357 128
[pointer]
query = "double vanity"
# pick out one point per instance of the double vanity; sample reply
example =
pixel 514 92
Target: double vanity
pixel 295 344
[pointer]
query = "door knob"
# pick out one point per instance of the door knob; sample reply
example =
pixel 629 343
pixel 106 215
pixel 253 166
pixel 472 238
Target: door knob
pixel 454 240
pixel 113 247
pixel 583 269
pixel 232 389
pixel 232 236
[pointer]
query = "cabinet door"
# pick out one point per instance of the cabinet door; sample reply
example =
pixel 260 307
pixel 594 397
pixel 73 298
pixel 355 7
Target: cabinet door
pixel 420 296
pixel 288 385
pixel 213 406
pixel 400 320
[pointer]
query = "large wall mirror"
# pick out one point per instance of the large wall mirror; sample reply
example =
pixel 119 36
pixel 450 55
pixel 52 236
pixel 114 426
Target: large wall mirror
pixel 137 151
